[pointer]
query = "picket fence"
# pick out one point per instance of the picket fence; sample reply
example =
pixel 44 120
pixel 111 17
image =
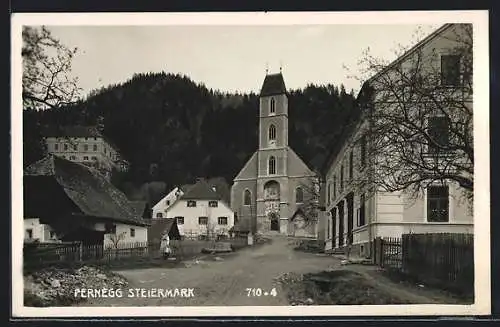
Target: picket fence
pixel 49 253
pixel 441 258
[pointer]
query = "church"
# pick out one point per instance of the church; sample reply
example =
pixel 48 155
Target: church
pixel 275 186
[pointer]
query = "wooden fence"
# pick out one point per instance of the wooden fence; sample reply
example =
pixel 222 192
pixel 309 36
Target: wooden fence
pixel 444 258
pixel 37 254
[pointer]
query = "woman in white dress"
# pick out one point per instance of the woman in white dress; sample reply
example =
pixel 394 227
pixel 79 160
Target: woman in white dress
pixel 165 246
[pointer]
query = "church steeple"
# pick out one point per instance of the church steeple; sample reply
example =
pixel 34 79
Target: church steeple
pixel 273 118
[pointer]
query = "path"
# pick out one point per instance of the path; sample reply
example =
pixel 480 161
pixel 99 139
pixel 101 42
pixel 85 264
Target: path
pixel 225 282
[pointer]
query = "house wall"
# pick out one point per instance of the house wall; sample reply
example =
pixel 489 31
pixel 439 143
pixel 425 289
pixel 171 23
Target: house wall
pixel 202 209
pixel 41 232
pixel 162 206
pixel 106 157
pixel 392 214
pixel 123 232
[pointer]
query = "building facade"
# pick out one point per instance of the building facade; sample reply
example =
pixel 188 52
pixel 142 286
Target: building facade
pixel 87 145
pixel 201 211
pixel 359 213
pixel 274 182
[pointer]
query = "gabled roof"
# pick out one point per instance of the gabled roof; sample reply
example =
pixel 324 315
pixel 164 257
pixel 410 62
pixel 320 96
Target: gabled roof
pixel 221 187
pixel 351 127
pixel 139 207
pixel 411 51
pixel 273 84
pixel 184 188
pixel 161 226
pixel 201 191
pixel 90 191
pixel 296 213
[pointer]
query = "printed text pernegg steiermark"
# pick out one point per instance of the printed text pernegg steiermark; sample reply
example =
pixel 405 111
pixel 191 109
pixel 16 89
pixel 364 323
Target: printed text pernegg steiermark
pixel 134 293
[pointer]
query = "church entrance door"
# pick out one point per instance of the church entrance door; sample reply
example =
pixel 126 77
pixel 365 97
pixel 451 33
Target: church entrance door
pixel 275 225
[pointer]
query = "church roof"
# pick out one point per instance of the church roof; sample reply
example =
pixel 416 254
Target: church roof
pixel 273 84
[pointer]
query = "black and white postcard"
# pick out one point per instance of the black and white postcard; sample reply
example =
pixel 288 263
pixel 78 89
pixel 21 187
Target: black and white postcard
pixel 250 164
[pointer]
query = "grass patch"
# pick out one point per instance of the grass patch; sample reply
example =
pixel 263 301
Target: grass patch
pixel 464 294
pixel 339 287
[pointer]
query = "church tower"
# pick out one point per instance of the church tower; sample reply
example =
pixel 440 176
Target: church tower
pixel 269 189
pixel 272 203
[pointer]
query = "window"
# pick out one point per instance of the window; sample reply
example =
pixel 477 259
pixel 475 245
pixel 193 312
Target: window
pixel 159 215
pixel 222 220
pixel 272 133
pixel 65 147
pixel 132 232
pixel 363 151
pixel 299 195
pixel 334 186
pixel 203 220
pixel 341 178
pixel 167 202
pixel 328 228
pixel 56 147
pixel 86 139
pixel 329 196
pixel 213 204
pixel 75 147
pixel 438 131
pixel 29 233
pixel 191 203
pixel 351 168
pixel 437 204
pixel 362 201
pixel 94 158
pixel 95 138
pixel 85 158
pixel 85 147
pixel 95 147
pixel 450 70
pixel 113 229
pixel 272 165
pixel 52 234
pixel 180 220
pixel 247 198
pixel 105 150
pixel 272 106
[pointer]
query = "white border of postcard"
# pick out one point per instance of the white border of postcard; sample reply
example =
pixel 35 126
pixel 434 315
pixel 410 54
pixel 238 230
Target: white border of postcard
pixel 479 19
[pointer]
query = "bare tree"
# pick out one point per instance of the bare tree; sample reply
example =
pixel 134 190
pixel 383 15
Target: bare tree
pixel 46 70
pixel 417 117
pixel 310 200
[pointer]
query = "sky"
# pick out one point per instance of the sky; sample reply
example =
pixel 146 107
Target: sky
pixel 231 58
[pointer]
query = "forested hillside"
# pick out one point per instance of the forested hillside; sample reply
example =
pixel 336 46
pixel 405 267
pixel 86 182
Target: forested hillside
pixel 173 130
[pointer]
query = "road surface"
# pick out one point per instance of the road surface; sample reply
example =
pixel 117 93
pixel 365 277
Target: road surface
pixel 223 282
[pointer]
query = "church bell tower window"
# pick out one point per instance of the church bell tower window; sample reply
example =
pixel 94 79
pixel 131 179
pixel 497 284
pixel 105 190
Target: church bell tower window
pixel 272 109
pixel 272 165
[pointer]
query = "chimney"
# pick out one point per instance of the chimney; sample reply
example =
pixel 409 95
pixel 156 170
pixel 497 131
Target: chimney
pixel 214 188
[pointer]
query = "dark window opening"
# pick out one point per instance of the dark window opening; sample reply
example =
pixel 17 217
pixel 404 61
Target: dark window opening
pixel 213 204
pixel 437 204
pixel 439 132
pixel 203 220
pixel 450 70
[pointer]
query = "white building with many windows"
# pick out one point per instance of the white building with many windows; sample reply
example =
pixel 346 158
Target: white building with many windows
pixel 201 211
pixel 87 145
pixel 359 209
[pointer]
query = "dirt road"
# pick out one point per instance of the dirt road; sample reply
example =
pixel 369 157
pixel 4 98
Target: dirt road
pixel 223 282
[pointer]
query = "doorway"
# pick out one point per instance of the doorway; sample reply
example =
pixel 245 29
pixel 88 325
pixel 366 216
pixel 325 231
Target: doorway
pixel 275 225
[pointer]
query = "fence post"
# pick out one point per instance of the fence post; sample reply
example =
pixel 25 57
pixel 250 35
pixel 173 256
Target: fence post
pixel 80 252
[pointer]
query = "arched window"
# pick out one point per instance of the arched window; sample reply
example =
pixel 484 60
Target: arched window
pixel 272 133
pixel 299 195
pixel 247 198
pixel 272 165
pixel 272 108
